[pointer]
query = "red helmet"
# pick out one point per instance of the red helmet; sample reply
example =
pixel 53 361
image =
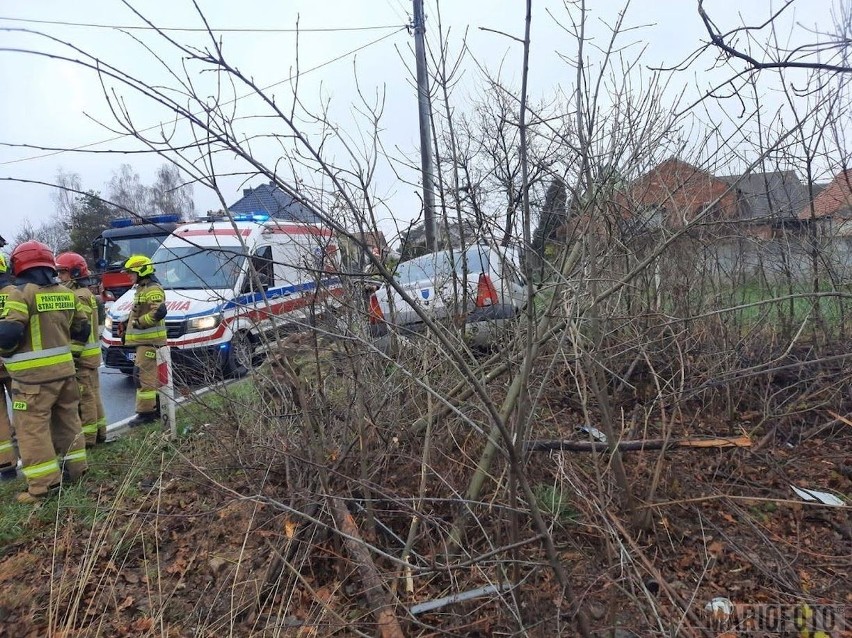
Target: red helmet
pixel 73 263
pixel 31 254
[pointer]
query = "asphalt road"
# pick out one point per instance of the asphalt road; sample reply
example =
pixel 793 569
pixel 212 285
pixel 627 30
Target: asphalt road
pixel 118 394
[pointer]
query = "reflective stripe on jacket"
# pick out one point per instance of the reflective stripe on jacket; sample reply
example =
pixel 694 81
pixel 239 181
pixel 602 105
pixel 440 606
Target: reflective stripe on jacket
pixel 47 314
pixel 4 294
pixel 142 328
pixel 87 354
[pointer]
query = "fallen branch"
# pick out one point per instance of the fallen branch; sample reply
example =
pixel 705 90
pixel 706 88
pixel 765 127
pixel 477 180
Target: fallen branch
pixel 637 446
pixel 377 598
pixel 432 605
pixel 837 417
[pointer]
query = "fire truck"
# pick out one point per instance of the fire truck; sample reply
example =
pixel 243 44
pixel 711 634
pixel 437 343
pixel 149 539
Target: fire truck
pixel 125 237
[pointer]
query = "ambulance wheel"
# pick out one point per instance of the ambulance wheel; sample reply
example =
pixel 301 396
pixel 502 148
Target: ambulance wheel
pixel 240 354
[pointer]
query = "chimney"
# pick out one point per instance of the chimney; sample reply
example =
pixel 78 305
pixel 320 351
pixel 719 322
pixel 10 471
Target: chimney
pixel 246 192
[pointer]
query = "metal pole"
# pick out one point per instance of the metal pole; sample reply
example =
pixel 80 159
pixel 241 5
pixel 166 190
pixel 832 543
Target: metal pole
pixel 424 109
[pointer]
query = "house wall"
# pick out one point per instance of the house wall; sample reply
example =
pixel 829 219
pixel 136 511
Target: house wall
pixel 731 249
pixel 683 191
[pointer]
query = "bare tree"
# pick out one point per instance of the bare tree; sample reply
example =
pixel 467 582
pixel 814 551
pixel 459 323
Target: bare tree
pixel 170 194
pixel 51 232
pixel 763 47
pixel 414 463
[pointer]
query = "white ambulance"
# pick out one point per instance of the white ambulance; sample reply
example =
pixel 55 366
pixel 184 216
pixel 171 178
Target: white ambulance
pixel 218 311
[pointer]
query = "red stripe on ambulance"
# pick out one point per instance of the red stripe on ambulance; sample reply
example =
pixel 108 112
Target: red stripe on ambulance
pixel 227 232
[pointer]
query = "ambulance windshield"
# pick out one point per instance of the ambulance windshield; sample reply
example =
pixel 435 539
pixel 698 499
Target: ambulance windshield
pixel 189 267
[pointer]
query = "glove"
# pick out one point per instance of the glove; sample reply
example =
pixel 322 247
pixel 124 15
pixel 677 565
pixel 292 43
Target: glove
pixel 160 312
pixel 11 335
pixel 81 332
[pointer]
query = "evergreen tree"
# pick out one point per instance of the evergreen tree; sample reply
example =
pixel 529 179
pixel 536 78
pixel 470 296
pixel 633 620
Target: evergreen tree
pixel 553 215
pixel 89 217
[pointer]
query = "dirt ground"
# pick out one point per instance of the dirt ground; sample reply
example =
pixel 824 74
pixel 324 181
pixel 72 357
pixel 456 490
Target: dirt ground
pixel 184 554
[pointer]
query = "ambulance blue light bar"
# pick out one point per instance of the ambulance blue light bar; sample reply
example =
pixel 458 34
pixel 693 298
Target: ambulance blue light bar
pixel 124 222
pixel 252 217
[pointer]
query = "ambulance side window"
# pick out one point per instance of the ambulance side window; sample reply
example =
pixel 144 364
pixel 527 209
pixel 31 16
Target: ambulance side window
pixel 263 264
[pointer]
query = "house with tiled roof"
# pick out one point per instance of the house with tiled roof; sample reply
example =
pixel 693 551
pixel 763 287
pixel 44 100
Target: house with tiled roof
pixel 830 215
pixel 831 209
pixel 271 200
pixel 666 197
pixel 757 222
pixel 675 192
pixel 758 205
pixel 769 203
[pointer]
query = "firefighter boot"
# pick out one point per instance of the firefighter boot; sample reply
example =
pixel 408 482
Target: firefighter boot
pixel 143 418
pixel 27 498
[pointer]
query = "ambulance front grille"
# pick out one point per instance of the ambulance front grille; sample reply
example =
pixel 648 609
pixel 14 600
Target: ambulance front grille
pixel 175 329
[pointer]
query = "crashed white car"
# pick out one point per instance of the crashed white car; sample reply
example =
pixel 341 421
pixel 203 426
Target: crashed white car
pixel 481 287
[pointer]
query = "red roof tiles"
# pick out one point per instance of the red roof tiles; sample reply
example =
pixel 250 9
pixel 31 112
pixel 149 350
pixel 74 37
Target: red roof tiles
pixel 835 200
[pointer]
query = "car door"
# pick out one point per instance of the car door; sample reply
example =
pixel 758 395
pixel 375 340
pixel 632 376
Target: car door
pixel 294 281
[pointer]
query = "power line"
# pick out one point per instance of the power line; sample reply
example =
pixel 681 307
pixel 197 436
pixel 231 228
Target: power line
pixel 239 97
pixel 92 25
pixel 402 16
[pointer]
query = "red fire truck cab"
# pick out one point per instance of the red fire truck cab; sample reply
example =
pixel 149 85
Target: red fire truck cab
pixel 126 237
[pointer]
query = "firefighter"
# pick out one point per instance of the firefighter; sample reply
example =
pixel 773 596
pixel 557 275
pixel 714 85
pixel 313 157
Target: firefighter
pixel 8 456
pixel 73 271
pixel 146 330
pixel 39 319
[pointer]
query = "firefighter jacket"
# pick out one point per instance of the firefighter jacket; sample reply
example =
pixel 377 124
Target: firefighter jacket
pixel 87 353
pixel 146 325
pixel 44 314
pixel 5 282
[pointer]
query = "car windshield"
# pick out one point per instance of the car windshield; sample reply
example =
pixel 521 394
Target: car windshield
pixel 188 267
pixel 439 266
pixel 117 251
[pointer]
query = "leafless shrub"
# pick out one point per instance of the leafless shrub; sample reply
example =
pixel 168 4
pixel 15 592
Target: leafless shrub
pixel 403 475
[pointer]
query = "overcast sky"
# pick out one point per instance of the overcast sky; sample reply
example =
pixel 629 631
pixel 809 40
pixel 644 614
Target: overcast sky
pixel 53 103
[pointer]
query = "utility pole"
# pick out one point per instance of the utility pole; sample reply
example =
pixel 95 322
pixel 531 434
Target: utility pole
pixel 424 109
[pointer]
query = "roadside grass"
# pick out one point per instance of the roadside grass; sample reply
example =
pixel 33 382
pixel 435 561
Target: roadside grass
pixel 768 304
pixel 763 302
pixel 109 465
pixel 195 412
pixel 115 471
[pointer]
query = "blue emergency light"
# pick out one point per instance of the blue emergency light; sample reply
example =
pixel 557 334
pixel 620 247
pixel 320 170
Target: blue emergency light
pixel 124 222
pixel 252 217
pixel 161 219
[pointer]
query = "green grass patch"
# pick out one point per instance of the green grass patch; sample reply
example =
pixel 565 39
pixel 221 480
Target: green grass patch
pixel 770 304
pixel 197 411
pixel 553 502
pixel 115 470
